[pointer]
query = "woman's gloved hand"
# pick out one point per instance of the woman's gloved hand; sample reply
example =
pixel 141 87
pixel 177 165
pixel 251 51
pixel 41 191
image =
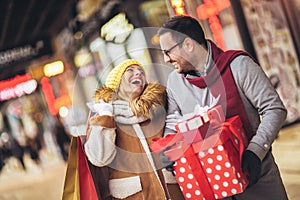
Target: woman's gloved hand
pixel 103 108
pixel 251 164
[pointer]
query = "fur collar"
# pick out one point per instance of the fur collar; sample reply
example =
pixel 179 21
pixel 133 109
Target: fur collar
pixel 154 94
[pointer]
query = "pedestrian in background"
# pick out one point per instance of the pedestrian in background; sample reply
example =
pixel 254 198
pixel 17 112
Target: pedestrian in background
pixel 63 138
pixel 9 147
pixel 206 75
pixel 129 113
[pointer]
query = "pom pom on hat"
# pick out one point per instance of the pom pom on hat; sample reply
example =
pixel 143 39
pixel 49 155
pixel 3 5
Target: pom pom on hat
pixel 114 77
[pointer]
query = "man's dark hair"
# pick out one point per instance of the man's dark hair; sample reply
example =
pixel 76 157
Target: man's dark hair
pixel 187 26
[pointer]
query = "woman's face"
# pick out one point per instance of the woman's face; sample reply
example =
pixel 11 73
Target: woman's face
pixel 132 83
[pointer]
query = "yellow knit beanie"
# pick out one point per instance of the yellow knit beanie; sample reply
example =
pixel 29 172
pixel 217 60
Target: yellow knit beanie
pixel 114 77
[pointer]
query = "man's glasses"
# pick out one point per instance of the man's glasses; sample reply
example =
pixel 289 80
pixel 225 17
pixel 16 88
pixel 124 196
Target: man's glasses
pixel 168 51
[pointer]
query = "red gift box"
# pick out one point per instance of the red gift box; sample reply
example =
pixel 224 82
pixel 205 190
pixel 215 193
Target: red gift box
pixel 211 169
pixel 159 144
pixel 201 124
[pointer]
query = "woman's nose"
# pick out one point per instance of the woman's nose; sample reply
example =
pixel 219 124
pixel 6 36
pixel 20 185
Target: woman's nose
pixel 137 72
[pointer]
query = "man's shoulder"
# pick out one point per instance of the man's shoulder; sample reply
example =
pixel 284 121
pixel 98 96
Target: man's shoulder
pixel 242 61
pixel 174 77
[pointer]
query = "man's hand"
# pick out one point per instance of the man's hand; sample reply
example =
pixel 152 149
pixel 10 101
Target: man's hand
pixel 166 162
pixel 172 120
pixel 252 164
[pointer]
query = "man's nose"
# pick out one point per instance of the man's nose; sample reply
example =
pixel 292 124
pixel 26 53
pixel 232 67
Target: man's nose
pixel 167 58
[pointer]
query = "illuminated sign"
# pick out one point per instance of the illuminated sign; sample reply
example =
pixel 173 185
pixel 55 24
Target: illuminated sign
pixel 178 6
pixel 210 10
pixel 54 68
pixel 54 104
pixel 117 29
pixel 17 87
pixel 82 57
pixel 86 70
pixel 26 52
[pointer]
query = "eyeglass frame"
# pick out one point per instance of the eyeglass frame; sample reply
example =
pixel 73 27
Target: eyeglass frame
pixel 168 51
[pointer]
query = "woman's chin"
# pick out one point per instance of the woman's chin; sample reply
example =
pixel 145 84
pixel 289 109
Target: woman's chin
pixel 137 92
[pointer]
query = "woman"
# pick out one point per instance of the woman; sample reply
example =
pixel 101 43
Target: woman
pixel 129 113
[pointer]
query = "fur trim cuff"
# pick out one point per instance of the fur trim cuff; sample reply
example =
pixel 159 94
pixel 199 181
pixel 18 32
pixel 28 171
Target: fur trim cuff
pixel 125 187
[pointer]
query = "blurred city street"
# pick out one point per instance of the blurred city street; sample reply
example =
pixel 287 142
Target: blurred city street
pixel 286 150
pixel 45 181
pixel 55 55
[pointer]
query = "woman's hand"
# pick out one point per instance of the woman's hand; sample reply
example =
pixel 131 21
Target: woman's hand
pixel 103 108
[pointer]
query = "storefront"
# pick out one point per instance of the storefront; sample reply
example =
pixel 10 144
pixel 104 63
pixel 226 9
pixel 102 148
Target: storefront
pixel 32 103
pixel 275 49
pixel 24 117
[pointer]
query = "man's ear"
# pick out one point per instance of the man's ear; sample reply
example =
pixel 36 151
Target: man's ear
pixel 188 44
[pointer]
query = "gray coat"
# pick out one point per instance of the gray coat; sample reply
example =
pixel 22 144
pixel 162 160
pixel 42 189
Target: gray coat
pixel 265 111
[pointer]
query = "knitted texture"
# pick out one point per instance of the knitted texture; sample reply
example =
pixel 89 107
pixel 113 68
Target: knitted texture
pixel 114 77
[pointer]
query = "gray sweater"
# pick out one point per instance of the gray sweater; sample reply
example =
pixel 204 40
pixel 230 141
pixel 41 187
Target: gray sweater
pixel 263 105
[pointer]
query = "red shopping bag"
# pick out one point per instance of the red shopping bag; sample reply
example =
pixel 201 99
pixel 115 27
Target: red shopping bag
pixel 79 183
pixel 86 183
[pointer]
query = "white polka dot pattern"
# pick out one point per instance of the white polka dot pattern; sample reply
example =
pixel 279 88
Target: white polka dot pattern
pixel 221 166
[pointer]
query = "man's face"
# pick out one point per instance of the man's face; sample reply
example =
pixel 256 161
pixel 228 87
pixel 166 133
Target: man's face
pixel 132 83
pixel 175 53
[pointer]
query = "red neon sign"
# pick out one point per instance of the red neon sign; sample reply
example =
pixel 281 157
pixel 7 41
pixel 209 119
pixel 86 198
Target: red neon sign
pixel 210 10
pixel 18 86
pixel 53 103
pixel 178 6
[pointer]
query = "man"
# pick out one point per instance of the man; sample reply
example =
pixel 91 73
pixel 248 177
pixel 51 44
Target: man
pixel 205 75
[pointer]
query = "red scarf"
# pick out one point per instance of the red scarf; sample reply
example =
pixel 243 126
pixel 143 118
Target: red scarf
pixel 224 85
